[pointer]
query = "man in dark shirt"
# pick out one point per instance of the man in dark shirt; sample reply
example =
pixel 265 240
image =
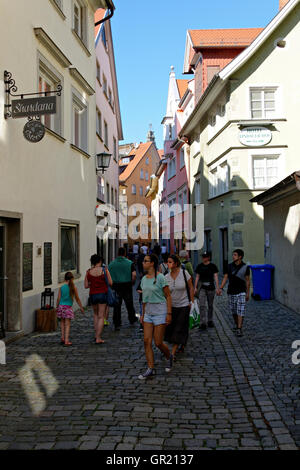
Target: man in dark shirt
pixel 123 274
pixel 206 279
pixel 238 291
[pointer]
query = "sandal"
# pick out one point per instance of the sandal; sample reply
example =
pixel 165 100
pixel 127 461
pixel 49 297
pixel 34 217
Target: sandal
pixel 100 342
pixel 68 344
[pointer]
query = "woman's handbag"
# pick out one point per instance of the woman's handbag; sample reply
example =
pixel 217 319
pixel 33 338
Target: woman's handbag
pixel 111 296
pixel 194 319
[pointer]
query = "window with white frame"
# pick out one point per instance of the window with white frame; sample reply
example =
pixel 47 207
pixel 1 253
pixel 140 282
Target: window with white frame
pixel 79 122
pixel 263 102
pixel 141 190
pixel 147 161
pixel 133 189
pixel 105 134
pixel 101 189
pixel 98 72
pixel 48 81
pixel 172 167
pixel 265 170
pixel 104 85
pixel 213 183
pixel 223 183
pixel 197 194
pixel 115 149
pixel 69 247
pixel 182 162
pixel 80 20
pixel 99 123
pixel 142 174
pixel 146 176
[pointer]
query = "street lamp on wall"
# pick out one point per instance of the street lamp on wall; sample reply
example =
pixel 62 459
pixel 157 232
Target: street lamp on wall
pixel 103 161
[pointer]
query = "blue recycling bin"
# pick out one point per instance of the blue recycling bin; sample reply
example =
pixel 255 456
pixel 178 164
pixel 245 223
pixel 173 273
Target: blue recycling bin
pixel 262 280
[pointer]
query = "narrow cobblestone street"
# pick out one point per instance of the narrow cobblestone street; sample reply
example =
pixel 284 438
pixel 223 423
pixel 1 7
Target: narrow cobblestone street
pixel 223 393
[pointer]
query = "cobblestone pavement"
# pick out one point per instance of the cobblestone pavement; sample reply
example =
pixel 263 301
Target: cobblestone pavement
pixel 223 393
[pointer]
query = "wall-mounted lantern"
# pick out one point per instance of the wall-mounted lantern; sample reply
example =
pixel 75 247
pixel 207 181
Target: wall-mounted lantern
pixel 103 161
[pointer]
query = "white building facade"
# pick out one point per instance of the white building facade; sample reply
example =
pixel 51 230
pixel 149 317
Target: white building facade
pixel 48 189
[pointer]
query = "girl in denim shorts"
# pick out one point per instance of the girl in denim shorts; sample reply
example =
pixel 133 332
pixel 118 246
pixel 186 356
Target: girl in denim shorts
pixel 157 313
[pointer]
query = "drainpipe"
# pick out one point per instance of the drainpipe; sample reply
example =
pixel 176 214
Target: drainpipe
pixel 111 8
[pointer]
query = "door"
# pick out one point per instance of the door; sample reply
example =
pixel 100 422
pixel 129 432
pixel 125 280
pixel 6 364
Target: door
pixel 2 281
pixel 224 248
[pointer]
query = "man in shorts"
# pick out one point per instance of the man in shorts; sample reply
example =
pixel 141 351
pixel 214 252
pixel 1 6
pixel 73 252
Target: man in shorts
pixel 238 274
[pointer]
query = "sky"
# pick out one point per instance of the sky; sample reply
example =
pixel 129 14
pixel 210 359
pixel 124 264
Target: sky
pixel 149 36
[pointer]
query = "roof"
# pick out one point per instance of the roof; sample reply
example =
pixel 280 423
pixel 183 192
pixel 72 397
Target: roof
pixel 99 15
pixel 219 80
pixel 182 86
pixel 139 152
pixel 277 188
pixel 223 37
pixel 161 154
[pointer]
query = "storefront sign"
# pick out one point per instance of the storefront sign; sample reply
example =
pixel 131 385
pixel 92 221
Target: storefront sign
pixel 33 107
pixel 34 131
pixel 255 136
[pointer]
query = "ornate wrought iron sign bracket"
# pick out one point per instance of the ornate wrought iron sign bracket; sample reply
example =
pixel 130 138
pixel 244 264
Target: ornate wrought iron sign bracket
pixel 11 89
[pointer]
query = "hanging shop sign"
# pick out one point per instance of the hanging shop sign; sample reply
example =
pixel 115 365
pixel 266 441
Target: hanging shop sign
pixel 33 107
pixel 34 131
pixel 255 136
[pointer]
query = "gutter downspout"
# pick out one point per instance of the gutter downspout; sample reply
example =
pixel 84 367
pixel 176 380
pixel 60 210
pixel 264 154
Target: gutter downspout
pixel 111 9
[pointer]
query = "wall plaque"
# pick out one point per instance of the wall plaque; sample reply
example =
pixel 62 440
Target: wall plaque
pixel 255 136
pixel 27 266
pixel 34 131
pixel 47 264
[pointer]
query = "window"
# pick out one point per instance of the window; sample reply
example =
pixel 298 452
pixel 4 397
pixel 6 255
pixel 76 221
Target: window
pixel 112 196
pixel 105 134
pixel 79 20
pixel 125 161
pixel 133 189
pixel 147 161
pixel 141 190
pixel 98 72
pixel 48 81
pixel 99 123
pixel 104 85
pixel 79 122
pixel 211 72
pixel 69 236
pixel 142 174
pixel 265 171
pixel 146 176
pixel 115 149
pixel 170 131
pixel 197 197
pixel 100 189
pixel 207 241
pixel 185 198
pixel 110 97
pixel 172 168
pixel 107 193
pixel 262 102
pixel 182 162
pixel 213 183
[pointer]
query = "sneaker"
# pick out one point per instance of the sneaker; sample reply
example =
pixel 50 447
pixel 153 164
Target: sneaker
pixel 149 374
pixel 211 324
pixel 202 327
pixel 170 363
pixel 239 332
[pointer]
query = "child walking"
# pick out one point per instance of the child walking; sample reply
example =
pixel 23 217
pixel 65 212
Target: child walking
pixel 64 303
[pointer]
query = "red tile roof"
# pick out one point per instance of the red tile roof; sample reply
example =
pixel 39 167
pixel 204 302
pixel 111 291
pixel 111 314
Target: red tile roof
pixel 223 37
pixel 99 15
pixel 182 86
pixel 161 154
pixel 139 153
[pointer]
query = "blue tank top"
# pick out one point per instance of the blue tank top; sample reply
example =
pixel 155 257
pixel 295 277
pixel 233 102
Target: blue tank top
pixel 66 299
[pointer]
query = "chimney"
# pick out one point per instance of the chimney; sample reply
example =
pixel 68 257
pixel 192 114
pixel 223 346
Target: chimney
pixel 282 3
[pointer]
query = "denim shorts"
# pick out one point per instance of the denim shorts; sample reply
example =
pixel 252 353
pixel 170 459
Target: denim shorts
pixel 98 299
pixel 156 319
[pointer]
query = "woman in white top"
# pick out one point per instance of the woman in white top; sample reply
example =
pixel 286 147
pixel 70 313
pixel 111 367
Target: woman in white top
pixel 182 293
